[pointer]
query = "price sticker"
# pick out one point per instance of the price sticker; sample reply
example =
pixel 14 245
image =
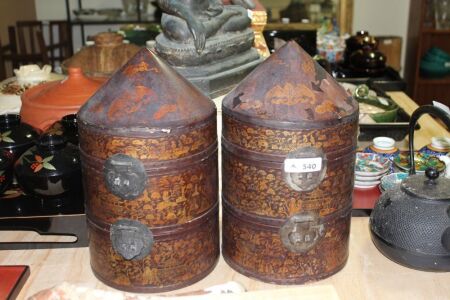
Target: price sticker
pixel 302 165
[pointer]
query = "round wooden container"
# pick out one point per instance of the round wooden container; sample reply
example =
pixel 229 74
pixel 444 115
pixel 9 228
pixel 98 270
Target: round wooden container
pixel 149 159
pixel 288 153
pixel 102 59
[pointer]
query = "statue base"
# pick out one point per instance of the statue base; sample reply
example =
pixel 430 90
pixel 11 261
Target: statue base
pixel 216 48
pixel 220 77
pixel 224 62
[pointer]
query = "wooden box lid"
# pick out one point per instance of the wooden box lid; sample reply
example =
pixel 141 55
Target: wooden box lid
pixel 146 93
pixel 290 89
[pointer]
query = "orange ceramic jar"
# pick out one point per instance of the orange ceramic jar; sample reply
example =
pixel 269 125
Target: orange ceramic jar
pixel 47 103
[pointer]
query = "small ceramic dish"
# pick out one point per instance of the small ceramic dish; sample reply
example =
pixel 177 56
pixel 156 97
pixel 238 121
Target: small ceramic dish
pixel 422 161
pixel 384 143
pixel 370 178
pixel 392 180
pixel 371 164
pixel 362 187
pixel 367 183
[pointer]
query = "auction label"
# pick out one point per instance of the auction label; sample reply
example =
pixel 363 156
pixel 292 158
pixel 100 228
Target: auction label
pixel 302 165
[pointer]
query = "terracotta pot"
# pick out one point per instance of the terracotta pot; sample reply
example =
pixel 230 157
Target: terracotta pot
pixel 102 59
pixel 47 103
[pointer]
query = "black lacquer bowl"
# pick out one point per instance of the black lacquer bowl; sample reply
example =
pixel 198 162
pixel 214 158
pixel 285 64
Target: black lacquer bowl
pixel 15 136
pixel 50 170
pixel 6 170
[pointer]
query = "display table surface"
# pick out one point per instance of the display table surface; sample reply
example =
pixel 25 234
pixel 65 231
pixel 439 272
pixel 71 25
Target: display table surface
pixel 429 127
pixel 367 274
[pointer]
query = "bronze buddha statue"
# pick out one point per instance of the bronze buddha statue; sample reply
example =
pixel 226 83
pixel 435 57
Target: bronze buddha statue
pixel 208 42
pixel 198 20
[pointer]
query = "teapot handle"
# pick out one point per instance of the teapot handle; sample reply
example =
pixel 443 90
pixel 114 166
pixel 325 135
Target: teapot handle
pixel 432 110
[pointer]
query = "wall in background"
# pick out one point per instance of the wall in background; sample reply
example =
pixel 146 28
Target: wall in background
pixel 56 10
pixel 12 11
pixel 381 17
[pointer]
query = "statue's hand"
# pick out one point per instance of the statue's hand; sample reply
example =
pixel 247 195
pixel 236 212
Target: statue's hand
pixel 199 33
pixel 245 3
pixel 214 10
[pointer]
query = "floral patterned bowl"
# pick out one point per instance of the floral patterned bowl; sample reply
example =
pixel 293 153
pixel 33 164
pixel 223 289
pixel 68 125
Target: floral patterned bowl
pixel 371 164
pixel 422 162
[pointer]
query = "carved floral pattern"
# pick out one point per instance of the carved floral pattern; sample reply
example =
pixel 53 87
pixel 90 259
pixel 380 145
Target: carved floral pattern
pixel 168 198
pixel 173 260
pixel 261 190
pixel 279 141
pixel 259 252
pixel 169 146
pixel 291 95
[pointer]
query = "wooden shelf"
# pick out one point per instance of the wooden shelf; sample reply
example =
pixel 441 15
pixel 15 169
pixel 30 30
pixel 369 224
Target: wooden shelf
pixel 431 81
pixel 424 90
pixel 111 22
pixel 435 31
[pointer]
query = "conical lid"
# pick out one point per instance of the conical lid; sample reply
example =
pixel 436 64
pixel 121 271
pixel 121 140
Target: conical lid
pixel 146 93
pixel 290 89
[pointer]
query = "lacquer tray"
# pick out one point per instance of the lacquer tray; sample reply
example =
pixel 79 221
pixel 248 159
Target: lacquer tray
pixel 397 130
pixel 62 217
pixel 390 80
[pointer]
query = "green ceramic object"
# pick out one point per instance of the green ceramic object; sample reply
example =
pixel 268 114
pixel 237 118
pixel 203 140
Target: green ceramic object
pixel 390 108
pixel 434 69
pixel 435 63
pixel 429 57
pixel 435 51
pixel 140 34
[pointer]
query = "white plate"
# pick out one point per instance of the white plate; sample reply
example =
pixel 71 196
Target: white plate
pixel 367 183
pixel 364 187
pixel 372 174
pixel 370 178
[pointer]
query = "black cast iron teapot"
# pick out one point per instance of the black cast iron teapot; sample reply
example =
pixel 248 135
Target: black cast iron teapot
pixel 410 224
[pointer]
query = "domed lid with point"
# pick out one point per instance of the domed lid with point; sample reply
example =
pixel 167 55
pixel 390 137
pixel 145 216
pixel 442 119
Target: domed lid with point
pixel 145 95
pixel 291 90
pixel 46 103
pixel 70 92
pixel 429 186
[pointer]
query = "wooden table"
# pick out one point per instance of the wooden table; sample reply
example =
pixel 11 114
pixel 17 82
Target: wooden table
pixel 367 275
pixel 429 127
